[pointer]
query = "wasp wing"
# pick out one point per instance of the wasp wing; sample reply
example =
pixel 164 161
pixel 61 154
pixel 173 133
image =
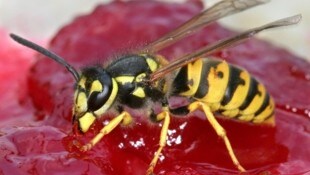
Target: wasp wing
pixel 217 11
pixel 207 50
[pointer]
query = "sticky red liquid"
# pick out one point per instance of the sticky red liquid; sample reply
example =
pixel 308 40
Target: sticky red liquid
pixel 45 144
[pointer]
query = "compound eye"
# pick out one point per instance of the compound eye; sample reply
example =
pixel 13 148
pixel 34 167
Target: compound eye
pixel 96 100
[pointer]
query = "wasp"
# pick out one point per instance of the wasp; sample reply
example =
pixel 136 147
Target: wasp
pixel 210 85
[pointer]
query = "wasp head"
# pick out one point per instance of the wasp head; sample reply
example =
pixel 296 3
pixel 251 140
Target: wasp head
pixel 95 93
pixel 95 90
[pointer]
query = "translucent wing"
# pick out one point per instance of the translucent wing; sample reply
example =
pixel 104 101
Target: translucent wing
pixel 207 50
pixel 217 11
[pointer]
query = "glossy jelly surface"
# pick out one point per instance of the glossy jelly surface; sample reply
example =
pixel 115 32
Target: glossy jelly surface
pixel 36 128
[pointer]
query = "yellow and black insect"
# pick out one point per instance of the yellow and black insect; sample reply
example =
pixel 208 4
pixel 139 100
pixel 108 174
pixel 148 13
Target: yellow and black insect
pixel 211 85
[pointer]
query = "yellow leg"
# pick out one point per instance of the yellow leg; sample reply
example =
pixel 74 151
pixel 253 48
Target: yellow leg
pixel 123 117
pixel 218 129
pixel 163 137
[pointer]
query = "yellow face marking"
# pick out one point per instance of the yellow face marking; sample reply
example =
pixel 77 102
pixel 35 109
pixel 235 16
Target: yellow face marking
pixel 86 121
pixel 110 101
pixel 81 103
pixel 217 84
pixel 256 102
pixel 140 77
pixel 193 76
pixel 125 79
pixel 82 82
pixel 96 86
pixel 139 92
pixel 240 93
pixel 152 64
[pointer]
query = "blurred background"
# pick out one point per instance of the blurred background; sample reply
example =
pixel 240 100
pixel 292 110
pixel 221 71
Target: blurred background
pixel 40 20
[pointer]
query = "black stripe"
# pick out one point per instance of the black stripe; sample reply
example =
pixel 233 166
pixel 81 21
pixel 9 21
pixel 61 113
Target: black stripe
pixel 264 105
pixel 131 65
pixel 203 87
pixel 233 82
pixel 180 110
pixel 253 90
pixel 179 84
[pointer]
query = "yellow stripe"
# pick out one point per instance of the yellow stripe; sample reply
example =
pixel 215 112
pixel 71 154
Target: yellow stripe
pixel 217 85
pixel 152 64
pixel 266 113
pixel 193 77
pixel 125 79
pixel 256 103
pixel 270 121
pixel 240 93
pixel 110 101
pixel 231 113
pixel 246 118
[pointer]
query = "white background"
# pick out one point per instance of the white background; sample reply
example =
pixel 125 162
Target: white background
pixel 40 19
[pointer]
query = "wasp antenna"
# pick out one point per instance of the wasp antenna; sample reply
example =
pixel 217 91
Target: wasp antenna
pixel 47 53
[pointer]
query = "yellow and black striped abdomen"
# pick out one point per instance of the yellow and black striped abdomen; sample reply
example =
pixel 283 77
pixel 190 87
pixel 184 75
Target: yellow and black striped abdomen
pixel 226 89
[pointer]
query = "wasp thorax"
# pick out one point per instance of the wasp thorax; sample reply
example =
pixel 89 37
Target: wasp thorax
pixel 94 95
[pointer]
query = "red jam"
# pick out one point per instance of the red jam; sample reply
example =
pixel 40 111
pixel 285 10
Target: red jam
pixel 36 128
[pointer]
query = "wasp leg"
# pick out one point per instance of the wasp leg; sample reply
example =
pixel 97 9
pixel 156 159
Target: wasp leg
pixel 164 115
pixel 218 129
pixel 124 117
